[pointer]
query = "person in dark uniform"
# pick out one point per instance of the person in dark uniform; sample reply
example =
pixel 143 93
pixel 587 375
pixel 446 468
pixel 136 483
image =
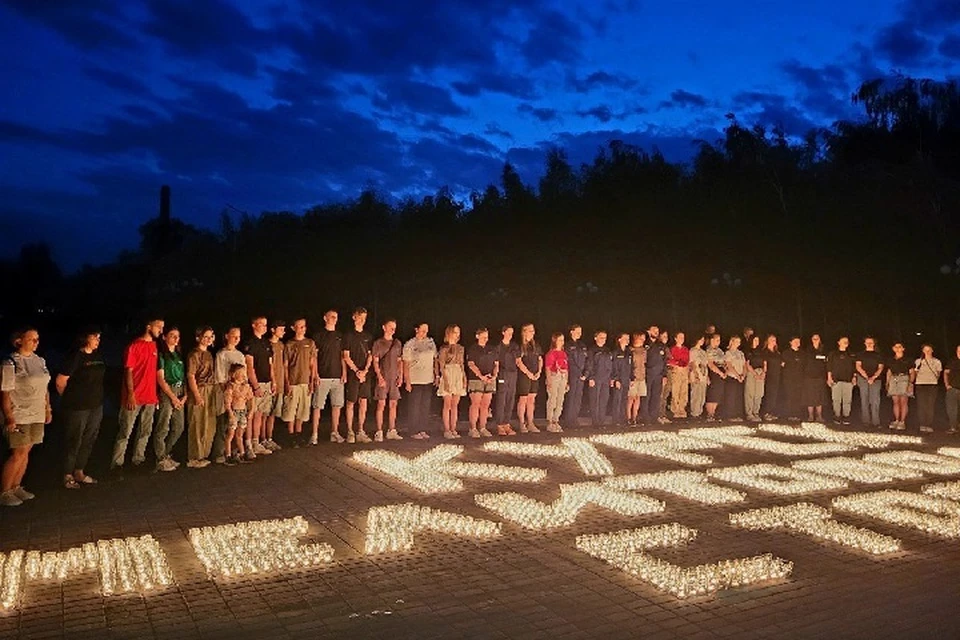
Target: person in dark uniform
pixel 814 379
pixel 770 407
pixel 622 372
pixel 657 354
pixel 577 361
pixel 791 383
pixel 507 353
pixel 599 374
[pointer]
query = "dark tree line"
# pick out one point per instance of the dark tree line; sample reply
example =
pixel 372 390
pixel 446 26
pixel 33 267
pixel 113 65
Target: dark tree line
pixel 847 229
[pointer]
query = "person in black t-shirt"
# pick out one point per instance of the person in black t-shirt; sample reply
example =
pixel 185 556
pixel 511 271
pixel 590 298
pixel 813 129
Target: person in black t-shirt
pixel 841 369
pixel 770 406
pixel 258 353
pixel 951 380
pixel 507 354
pixel 331 377
pixel 900 377
pixel 482 370
pixel 814 379
pixel 358 357
pixel 869 375
pixel 80 385
pixel 791 383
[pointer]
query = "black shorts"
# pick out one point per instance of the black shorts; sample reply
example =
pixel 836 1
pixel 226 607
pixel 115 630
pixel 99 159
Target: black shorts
pixel 814 392
pixel 355 390
pixel 526 386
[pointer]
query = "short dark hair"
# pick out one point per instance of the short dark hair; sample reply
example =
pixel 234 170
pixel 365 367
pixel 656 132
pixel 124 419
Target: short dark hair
pixel 359 310
pixel 574 326
pixel 278 323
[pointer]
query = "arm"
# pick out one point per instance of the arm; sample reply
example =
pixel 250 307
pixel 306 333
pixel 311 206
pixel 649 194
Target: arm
pixel 192 382
pixel 61 383
pixel 946 378
pixel 406 375
pixel 861 372
pixel 348 362
pixel 252 375
pixel 129 399
pixel 49 411
pixel 475 369
pixel 228 404
pixel 11 423
pixel 496 370
pixel 165 388
pixel 523 369
pixel 539 368
pixel 381 381
pixel 400 373
pixel 314 371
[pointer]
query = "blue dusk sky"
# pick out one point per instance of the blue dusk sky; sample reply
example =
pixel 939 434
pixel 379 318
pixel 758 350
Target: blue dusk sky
pixel 280 105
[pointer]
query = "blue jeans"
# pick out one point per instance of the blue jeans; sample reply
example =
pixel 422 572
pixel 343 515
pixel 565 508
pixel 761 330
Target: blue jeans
pixel 80 429
pixel 599 398
pixel 574 399
pixel 650 405
pixel 145 427
pixel 869 401
pixel 169 428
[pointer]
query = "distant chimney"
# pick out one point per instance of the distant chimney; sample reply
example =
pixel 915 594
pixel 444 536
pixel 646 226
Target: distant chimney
pixel 165 204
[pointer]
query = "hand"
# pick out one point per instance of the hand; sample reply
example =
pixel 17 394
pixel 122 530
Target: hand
pixel 11 426
pixel 537 377
pixel 257 392
pixel 381 381
pixel 288 391
pixel 592 384
pixel 48 418
pixel 198 400
pixel 343 379
pixel 568 387
pixel 130 403
pixel 409 387
pixel 619 385
pixel 273 388
pixel 583 378
pixel 399 382
pixel 436 381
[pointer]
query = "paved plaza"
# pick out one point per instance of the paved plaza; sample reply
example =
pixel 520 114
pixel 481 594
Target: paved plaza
pixel 519 584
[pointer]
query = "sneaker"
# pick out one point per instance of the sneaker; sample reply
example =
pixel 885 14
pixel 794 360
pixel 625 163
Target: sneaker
pixel 273 446
pixel 449 435
pixel 456 435
pixel 393 435
pixel 523 428
pixel 69 482
pixel 90 480
pixel 951 431
pixel 197 464
pixel 250 455
pixel 246 458
pixel 230 462
pixel 9 499
pixel 336 438
pixel 532 428
pixel 378 436
pixel 664 420
pixel 554 428
pixel 220 460
pixel 362 437
pixel 926 429
pixel 261 450
pixel 313 441
pixel 23 494
pixel 510 431
pixel 166 465
pixel 351 438
pixel 485 433
pixel 474 433
pixel 175 464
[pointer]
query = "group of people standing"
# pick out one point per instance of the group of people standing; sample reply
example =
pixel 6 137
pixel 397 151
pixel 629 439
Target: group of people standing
pixel 228 402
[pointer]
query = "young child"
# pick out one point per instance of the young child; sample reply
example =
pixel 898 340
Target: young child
pixel 237 398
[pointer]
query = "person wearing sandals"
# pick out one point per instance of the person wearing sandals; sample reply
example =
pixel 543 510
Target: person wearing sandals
pixel 80 385
pixel 928 370
pixel 530 364
pixel 482 369
pixel 451 379
pixel 638 377
pixel 24 378
pixel 388 366
pixel 717 376
pixel 507 355
pixel 557 366
pixel 900 377
pixel 171 379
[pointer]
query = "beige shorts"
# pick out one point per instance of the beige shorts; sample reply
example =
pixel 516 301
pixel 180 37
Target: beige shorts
pixel 263 404
pixel 638 389
pixel 296 406
pixel 26 435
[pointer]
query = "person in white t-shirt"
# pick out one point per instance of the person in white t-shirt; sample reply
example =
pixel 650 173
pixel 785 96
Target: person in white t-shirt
pixel 928 370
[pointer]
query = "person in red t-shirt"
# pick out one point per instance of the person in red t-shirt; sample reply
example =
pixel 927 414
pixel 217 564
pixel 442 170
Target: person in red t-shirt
pixel 677 369
pixel 139 395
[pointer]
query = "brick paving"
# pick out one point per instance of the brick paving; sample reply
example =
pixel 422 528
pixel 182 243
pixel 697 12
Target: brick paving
pixel 521 585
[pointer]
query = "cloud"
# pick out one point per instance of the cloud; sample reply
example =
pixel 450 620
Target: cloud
pixel 950 46
pixel 604 113
pixel 493 129
pixel 931 16
pixel 902 44
pixel 680 99
pixel 542 114
pixel 823 91
pixel 600 80
pixel 553 38
pixel 93 25
pixel 488 81
pixel 771 109
pixel 119 81
pixel 419 97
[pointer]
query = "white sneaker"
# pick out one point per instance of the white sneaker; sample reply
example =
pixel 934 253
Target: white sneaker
pixel 23 494
pixel 554 428
pixel 336 437
pixel 261 450
pixel 485 432
pixel 273 446
pixel 197 464
pixel 9 499
pixel 393 435
pixel 362 437
pixel 250 455
pixel 532 428
pixel 220 460
pixel 378 436
pixel 313 441
pixel 473 433
pixel 523 428
pixel 351 438
pixel 924 429
pixel 449 435
pixel 166 465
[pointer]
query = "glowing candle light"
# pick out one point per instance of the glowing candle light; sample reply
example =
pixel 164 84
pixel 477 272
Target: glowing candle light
pixel 947 490
pixel 626 551
pixel 392 528
pixel 692 485
pixel 815 521
pixel 856 470
pixel 745 438
pixel 660 444
pixel 776 479
pixel 927 513
pixel 817 431
pixel 929 463
pixel 591 461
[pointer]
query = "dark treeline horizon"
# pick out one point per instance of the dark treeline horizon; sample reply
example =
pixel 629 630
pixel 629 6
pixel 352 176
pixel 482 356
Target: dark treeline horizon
pixel 846 231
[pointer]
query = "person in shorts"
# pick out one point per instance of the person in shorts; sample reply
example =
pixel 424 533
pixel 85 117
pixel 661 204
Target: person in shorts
pixel 332 374
pixel 530 365
pixel 900 378
pixel 358 357
pixel 24 379
pixel 237 402
pixel 278 377
pixel 482 369
pixel 638 379
pixel 815 379
pixel 388 367
pixel 300 352
pixel 258 354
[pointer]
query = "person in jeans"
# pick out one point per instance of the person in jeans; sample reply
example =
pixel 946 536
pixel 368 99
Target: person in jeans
pixel 507 354
pixel 24 379
pixel 869 372
pixel 951 382
pixel 171 378
pixel 678 369
pixel 577 359
pixel 599 378
pixel 80 385
pixel 900 378
pixel 699 377
pixel 139 396
pixel 841 376
pixel 332 376
pixel 482 370
pixel 928 370
pixel 638 378
pixel 755 383
pixel 419 354
pixel 388 367
pixel 622 373
pixel 202 400
pixel 557 366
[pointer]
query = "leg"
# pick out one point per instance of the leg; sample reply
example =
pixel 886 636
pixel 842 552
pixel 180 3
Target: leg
pixel 874 391
pixel 144 429
pixel 393 415
pixel 195 429
pixel 162 428
pixel 89 438
pixel 361 414
pixel 952 401
pixel 381 406
pixel 474 412
pixel 485 400
pixel 14 468
pixel 127 418
pixel 73 428
pixel 176 430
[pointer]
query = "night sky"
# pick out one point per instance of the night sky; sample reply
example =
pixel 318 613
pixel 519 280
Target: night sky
pixel 274 105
